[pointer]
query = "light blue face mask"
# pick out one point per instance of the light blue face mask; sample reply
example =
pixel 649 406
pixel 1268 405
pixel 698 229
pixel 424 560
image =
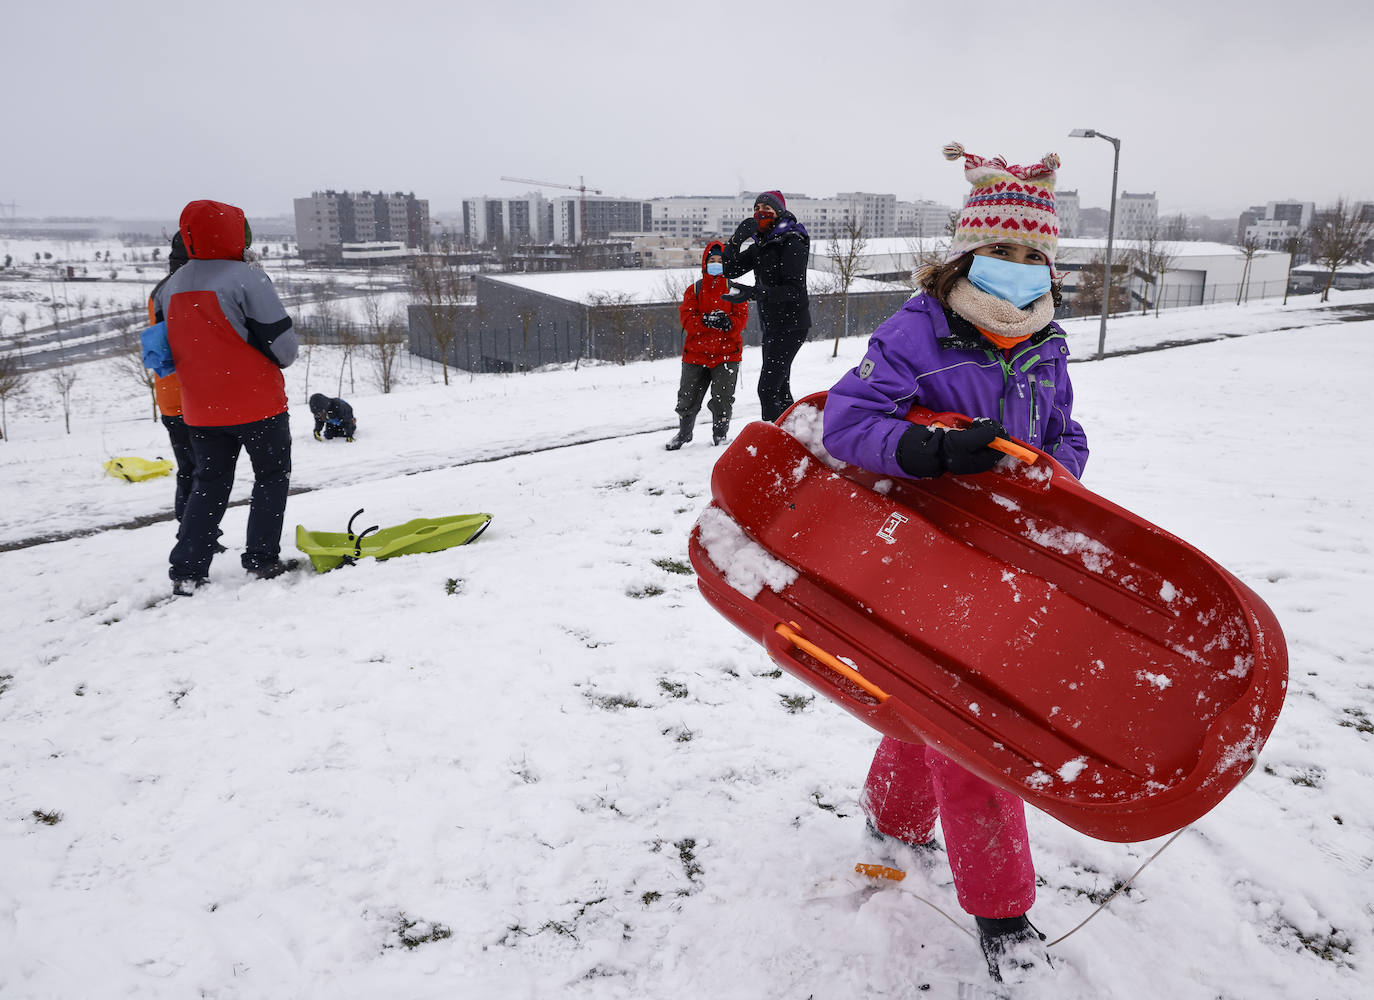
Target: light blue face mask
pixel 1019 284
pixel 715 268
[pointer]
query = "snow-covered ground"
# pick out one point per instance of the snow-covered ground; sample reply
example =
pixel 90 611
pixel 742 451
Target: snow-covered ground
pixel 540 765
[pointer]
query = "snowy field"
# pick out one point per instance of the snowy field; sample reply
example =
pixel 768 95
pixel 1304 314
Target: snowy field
pixel 540 765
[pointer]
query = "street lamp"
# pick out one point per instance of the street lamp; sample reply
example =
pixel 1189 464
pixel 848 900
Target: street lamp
pixel 1090 133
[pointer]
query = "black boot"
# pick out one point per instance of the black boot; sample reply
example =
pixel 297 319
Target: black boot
pixel 1012 948
pixel 719 432
pixel 683 435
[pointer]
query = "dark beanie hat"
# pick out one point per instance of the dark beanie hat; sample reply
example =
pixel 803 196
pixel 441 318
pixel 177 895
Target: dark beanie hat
pixel 177 255
pixel 319 402
pixel 773 198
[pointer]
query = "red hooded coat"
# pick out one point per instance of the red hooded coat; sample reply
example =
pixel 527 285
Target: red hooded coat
pixel 229 335
pixel 705 345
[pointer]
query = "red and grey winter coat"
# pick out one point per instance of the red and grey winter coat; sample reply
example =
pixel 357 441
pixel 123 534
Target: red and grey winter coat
pixel 229 334
pixel 926 356
pixel 706 345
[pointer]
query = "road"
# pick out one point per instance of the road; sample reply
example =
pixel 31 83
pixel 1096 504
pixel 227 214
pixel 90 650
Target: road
pixel 104 336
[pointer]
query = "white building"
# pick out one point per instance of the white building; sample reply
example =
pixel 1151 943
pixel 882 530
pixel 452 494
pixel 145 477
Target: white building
pixel 703 217
pixel 1201 273
pixel 1066 207
pixel 1137 215
pixel 1283 224
pixel 526 219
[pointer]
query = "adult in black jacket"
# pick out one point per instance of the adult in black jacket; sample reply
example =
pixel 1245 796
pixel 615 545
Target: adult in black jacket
pixel 778 258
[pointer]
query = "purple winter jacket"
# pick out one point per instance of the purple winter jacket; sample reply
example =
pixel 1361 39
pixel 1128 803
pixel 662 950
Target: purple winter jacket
pixel 915 358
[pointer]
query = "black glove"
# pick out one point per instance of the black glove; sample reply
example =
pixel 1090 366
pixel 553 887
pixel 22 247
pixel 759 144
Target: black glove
pixel 740 293
pixel 966 452
pixel 717 319
pixel 924 452
pixel 746 229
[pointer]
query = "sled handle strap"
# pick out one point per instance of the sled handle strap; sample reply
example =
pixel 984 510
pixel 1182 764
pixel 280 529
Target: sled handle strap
pixel 830 660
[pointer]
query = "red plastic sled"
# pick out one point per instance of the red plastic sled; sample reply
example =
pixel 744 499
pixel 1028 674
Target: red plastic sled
pixel 1098 667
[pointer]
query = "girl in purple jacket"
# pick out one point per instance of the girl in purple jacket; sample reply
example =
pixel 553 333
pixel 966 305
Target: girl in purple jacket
pixel 979 340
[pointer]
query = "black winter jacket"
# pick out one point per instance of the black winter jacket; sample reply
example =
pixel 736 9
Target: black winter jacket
pixel 778 260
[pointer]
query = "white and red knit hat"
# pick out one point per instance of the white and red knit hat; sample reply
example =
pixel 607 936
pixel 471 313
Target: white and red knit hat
pixel 1008 204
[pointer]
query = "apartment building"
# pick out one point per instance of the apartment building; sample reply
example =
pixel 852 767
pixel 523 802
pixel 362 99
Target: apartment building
pixel 519 221
pixel 327 220
pixel 1281 224
pixel 1137 216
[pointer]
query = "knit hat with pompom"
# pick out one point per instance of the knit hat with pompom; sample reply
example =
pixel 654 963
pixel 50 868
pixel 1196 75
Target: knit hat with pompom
pixel 1008 204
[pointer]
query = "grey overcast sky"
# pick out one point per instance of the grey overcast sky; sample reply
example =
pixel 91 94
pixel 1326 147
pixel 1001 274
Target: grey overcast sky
pixel 132 108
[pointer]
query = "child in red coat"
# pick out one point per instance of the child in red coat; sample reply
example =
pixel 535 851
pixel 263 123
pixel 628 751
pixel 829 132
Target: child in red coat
pixel 711 352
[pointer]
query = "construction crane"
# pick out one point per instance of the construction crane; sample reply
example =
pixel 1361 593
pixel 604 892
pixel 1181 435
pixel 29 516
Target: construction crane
pixel 580 187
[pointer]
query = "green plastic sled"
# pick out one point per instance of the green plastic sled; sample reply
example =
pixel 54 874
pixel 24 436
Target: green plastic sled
pixel 136 469
pixel 328 549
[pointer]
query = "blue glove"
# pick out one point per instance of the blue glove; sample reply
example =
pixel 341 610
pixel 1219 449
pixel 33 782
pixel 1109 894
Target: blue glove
pixel 157 353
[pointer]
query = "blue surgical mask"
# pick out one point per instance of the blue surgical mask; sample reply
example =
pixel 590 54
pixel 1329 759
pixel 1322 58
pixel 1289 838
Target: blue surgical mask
pixel 715 268
pixel 1019 284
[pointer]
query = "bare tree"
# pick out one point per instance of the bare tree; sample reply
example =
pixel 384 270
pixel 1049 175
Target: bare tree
pixel 64 378
pixel 1155 256
pixel 130 362
pixel 1176 228
pixel 1291 246
pixel 11 387
pixel 1088 295
pixel 387 340
pixel 437 289
pixel 1338 236
pixel 527 314
pixel 1248 247
pixel 346 336
pixel 618 309
pixel 847 256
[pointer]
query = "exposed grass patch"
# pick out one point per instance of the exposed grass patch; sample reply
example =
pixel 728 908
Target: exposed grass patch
pixel 674 566
pixel 410 934
pixel 612 702
pixel 1306 777
pixel 650 897
pixel 673 688
pixel 773 674
pixel 795 703
pixel 686 852
pixel 47 818
pixel 1358 720
pixel 643 592
pixel 681 735
pixel 827 806
pixel 453 585
pixel 5 680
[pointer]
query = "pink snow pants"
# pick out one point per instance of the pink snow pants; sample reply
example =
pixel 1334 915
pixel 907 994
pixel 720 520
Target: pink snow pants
pixel 909 784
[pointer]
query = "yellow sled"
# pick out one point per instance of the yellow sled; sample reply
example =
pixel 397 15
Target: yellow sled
pixel 136 469
pixel 329 549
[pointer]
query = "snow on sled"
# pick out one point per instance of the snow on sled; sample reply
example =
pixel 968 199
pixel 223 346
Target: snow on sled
pixel 136 469
pixel 328 549
pixel 1059 646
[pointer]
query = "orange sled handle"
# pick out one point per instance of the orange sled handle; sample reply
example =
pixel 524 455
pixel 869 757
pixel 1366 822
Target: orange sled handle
pixel 831 661
pixel 920 415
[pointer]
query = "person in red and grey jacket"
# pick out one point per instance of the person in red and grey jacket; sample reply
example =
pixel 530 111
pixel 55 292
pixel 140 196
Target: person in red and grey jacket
pixel 230 338
pixel 711 350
